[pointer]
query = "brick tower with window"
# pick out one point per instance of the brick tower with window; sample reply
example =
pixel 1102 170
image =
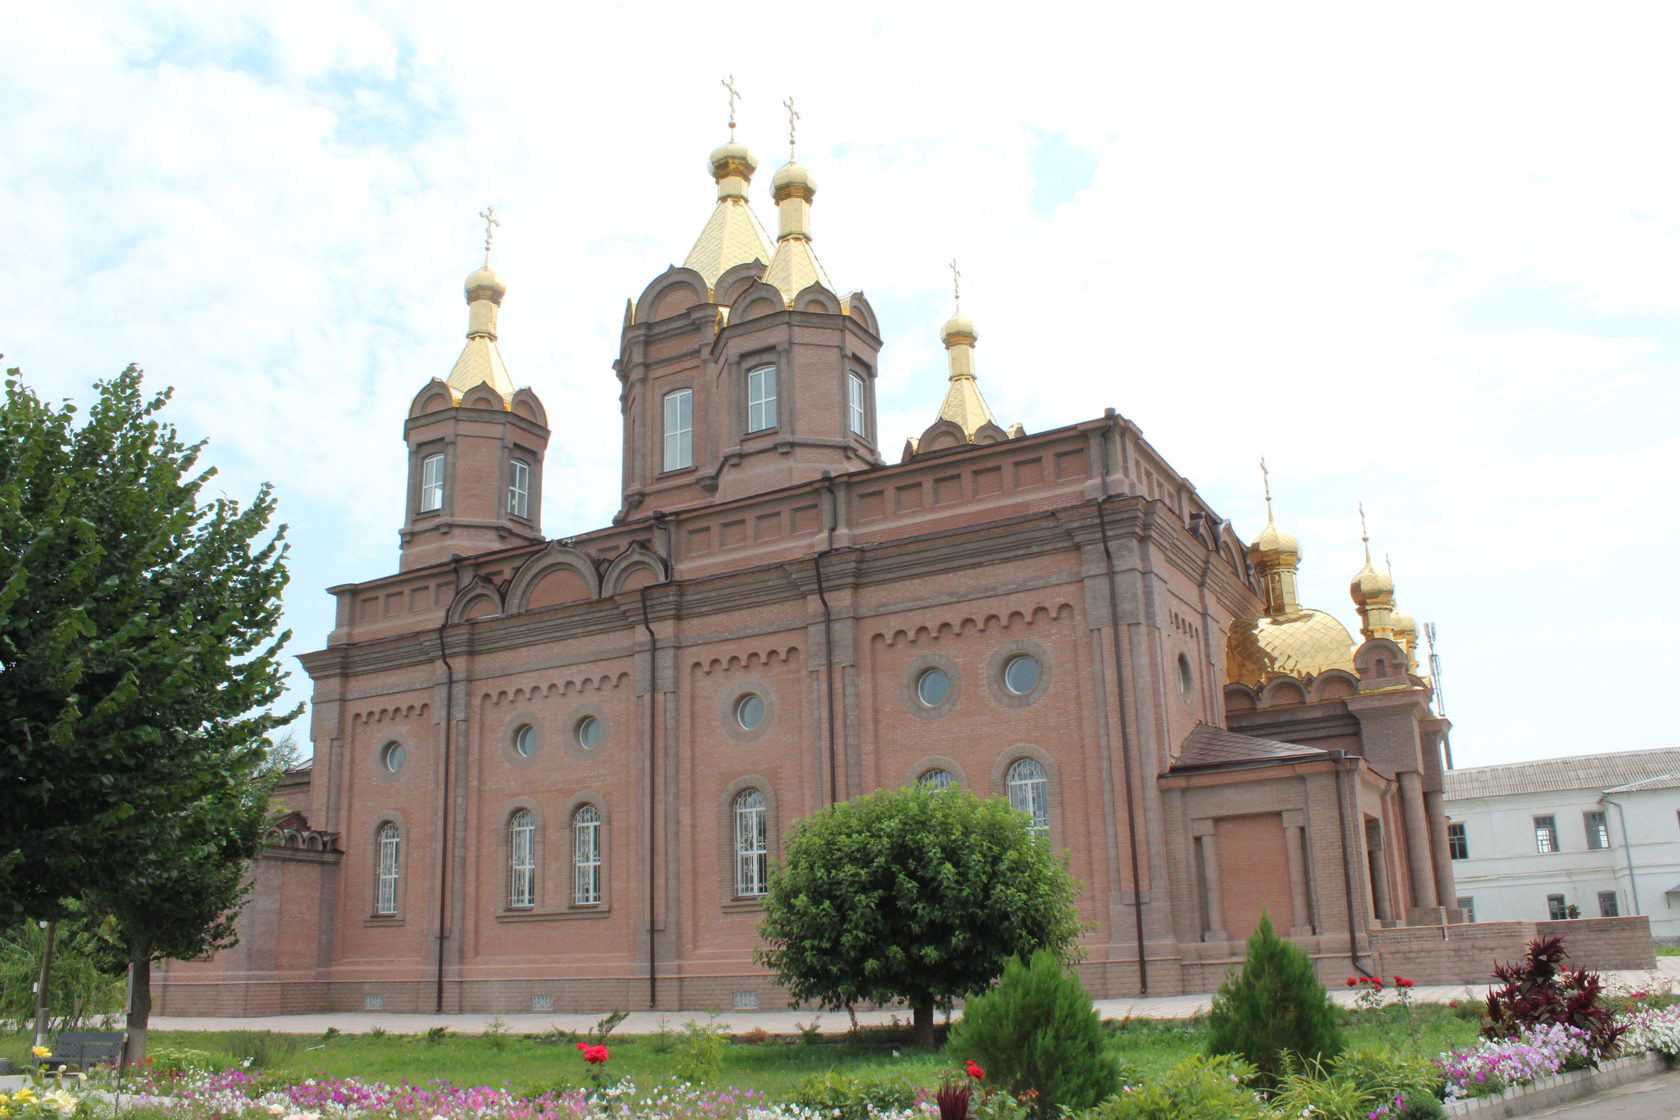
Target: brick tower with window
pixel 475 448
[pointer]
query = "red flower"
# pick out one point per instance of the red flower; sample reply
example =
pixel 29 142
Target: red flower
pixel 1352 980
pixel 973 1070
pixel 593 1055
pixel 1402 982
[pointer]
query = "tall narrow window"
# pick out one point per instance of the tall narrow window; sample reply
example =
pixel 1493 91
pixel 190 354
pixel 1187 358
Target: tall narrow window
pixel 1598 831
pixel 522 860
pixel 586 856
pixel 431 483
pixel 519 488
pixel 1607 907
pixel 857 415
pixel 1029 792
pixel 761 399
pixel 1545 834
pixel 1556 908
pixel 679 429
pixel 1458 845
pixel 752 851
pixel 390 848
pixel 1468 905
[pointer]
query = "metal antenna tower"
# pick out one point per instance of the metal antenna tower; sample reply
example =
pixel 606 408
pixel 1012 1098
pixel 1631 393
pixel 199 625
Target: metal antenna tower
pixel 1440 696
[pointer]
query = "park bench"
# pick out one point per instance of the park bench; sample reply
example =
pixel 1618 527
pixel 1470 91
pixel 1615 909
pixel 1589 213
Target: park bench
pixel 82 1050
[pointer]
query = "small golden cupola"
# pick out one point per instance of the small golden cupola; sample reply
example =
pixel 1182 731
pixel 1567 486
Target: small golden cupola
pixel 964 415
pixel 1373 593
pixel 1405 627
pixel 733 234
pixel 794 266
pixel 481 362
pixel 1289 640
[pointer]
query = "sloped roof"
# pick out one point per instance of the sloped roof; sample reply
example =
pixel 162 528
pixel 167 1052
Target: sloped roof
pixel 1208 746
pixel 1606 772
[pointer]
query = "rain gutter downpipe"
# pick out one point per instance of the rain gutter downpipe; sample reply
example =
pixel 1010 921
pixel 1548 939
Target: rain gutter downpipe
pixel 1339 757
pixel 1627 847
pixel 652 791
pixel 828 641
pixel 443 815
pixel 1120 696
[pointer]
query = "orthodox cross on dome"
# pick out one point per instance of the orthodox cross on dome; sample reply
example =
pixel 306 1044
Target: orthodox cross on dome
pixel 734 93
pixel 490 224
pixel 956 284
pixel 793 126
pixel 1266 485
pixel 1364 536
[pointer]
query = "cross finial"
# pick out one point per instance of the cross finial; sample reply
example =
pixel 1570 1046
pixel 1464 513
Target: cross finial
pixel 956 283
pixel 490 224
pixel 793 126
pixel 733 94
pixel 1266 484
pixel 1364 536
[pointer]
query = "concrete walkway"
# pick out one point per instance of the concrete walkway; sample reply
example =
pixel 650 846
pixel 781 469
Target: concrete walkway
pixel 1665 977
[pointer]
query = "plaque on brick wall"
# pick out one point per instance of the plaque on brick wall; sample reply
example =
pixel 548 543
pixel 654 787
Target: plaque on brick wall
pixel 542 1003
pixel 745 1001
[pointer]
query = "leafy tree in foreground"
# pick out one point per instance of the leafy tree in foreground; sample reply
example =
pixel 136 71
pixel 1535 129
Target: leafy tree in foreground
pixel 137 657
pixel 1274 1007
pixel 1039 1038
pixel 920 893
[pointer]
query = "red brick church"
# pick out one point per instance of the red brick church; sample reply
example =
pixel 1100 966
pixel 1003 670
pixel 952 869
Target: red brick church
pixel 554 773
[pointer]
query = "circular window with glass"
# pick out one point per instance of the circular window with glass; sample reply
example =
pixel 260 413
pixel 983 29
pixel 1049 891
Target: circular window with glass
pixel 933 687
pixel 391 758
pixel 588 732
pixel 749 711
pixel 525 740
pixel 1021 673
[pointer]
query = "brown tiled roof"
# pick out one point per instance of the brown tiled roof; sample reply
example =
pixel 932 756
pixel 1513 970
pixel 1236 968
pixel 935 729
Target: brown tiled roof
pixel 1587 771
pixel 1208 746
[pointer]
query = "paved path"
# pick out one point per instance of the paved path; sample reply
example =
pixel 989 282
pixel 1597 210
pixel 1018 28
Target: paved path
pixel 782 1021
pixel 1655 1098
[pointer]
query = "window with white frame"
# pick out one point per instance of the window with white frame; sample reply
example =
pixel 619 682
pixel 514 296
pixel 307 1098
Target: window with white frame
pixel 519 488
pixel 1598 830
pixel 389 846
pixel 857 414
pixel 679 429
pixel 761 398
pixel 586 856
pixel 752 849
pixel 1458 844
pixel 431 483
pixel 1545 834
pixel 522 860
pixel 1028 789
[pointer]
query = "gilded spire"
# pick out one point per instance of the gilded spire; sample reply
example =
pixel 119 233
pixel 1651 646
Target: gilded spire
pixel 1276 556
pixel 1372 592
pixel 794 267
pixel 733 234
pixel 963 405
pixel 480 361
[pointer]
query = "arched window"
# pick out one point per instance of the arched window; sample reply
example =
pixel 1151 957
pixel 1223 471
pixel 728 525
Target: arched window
pixel 937 779
pixel 522 859
pixel 586 856
pixel 752 851
pixel 389 845
pixel 1029 791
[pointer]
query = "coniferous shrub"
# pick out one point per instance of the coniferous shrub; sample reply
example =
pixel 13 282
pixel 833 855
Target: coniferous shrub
pixel 1038 1037
pixel 1197 1088
pixel 1540 990
pixel 1273 1008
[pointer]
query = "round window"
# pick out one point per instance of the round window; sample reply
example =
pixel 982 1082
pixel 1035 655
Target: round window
pixel 1186 679
pixel 392 757
pixel 933 687
pixel 749 711
pixel 1020 674
pixel 589 733
pixel 525 740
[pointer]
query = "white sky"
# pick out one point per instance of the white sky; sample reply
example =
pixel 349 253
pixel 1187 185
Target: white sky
pixel 1426 257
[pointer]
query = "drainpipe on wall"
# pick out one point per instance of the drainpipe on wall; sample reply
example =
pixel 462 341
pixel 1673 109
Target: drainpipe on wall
pixel 1340 757
pixel 443 815
pixel 828 641
pixel 1120 695
pixel 1627 846
pixel 652 790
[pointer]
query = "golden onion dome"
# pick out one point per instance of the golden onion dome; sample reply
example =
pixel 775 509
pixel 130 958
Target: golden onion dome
pixel 1405 629
pixel 1371 587
pixel 732 159
pixel 485 284
pixel 1301 643
pixel 958 328
pixel 1274 545
pixel 793 180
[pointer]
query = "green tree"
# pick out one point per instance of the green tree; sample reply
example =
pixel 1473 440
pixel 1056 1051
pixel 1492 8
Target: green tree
pixel 138 656
pixel 1037 1033
pixel 921 894
pixel 1274 1007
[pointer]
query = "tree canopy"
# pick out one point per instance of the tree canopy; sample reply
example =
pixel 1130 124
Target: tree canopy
pixel 921 894
pixel 138 661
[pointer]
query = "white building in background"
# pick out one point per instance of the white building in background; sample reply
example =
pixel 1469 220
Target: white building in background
pixel 1590 836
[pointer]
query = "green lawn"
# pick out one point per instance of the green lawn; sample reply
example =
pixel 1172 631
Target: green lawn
pixel 1147 1047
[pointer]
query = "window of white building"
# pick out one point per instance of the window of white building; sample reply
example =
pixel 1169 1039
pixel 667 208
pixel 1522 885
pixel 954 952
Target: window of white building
pixel 1545 834
pixel 1598 830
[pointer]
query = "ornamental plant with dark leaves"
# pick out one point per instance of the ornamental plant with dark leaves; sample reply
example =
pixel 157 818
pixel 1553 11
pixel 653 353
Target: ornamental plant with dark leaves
pixel 1540 990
